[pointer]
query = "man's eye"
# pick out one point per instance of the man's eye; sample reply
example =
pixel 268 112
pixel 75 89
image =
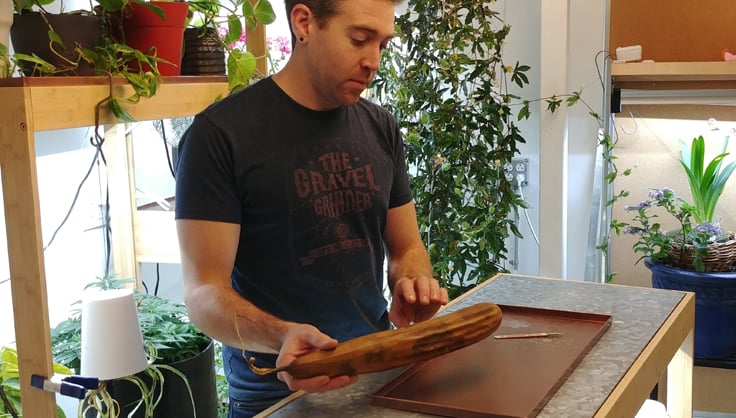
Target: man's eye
pixel 358 42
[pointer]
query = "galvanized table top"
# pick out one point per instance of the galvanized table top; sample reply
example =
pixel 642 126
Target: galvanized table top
pixel 637 314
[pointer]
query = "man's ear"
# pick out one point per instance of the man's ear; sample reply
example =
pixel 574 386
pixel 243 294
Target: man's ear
pixel 301 17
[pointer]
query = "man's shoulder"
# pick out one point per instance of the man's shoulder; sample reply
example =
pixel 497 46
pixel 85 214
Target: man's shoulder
pixel 367 106
pixel 251 95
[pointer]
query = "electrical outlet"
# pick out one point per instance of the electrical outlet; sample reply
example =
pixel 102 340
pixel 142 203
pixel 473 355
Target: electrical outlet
pixel 517 169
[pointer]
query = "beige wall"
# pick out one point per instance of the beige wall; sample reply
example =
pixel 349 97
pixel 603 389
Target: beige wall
pixel 648 143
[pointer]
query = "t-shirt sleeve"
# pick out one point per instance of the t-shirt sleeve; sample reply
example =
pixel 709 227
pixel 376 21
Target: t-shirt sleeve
pixel 400 191
pixel 205 181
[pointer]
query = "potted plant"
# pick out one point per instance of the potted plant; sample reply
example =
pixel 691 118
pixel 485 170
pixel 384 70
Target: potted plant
pixel 182 366
pixel 696 255
pixel 155 28
pixel 224 21
pixel 48 43
pixel 78 43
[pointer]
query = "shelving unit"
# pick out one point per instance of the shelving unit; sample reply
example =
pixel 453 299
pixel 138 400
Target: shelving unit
pixel 29 105
pixel 674 75
pixel 708 83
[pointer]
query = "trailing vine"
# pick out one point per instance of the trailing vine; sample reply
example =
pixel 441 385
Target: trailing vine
pixel 445 81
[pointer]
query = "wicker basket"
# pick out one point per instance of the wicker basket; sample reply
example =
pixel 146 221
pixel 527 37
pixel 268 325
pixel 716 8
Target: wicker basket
pixel 721 256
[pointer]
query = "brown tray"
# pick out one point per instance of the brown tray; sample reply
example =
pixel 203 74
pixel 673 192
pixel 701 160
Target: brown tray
pixel 499 378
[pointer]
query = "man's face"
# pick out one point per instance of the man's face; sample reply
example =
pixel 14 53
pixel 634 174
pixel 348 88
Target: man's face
pixel 345 54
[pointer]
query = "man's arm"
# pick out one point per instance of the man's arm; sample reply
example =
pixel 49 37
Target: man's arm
pixel 208 255
pixel 417 295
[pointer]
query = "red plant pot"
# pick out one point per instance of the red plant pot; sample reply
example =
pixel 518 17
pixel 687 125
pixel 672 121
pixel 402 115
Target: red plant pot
pixel 145 31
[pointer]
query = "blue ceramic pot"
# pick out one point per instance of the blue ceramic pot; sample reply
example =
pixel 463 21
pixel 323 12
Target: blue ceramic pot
pixel 715 306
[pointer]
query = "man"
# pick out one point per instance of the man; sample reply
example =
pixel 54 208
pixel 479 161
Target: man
pixel 290 195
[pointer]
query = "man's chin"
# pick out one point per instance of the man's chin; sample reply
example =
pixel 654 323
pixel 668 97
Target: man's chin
pixel 351 97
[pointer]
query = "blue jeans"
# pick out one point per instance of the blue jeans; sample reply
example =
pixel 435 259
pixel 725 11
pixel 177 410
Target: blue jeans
pixel 249 392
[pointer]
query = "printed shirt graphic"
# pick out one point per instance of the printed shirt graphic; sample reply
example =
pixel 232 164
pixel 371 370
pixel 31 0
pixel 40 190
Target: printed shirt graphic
pixel 333 192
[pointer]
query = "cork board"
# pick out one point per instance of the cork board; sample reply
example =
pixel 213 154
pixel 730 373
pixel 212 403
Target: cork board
pixel 675 30
pixel 499 378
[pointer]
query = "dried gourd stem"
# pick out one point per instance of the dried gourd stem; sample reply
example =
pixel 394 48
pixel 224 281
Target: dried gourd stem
pixel 262 371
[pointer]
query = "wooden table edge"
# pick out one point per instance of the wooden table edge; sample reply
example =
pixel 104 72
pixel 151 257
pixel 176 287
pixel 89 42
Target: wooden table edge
pixel 671 345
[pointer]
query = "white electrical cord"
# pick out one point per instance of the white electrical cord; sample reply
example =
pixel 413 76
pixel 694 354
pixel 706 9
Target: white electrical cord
pixel 519 180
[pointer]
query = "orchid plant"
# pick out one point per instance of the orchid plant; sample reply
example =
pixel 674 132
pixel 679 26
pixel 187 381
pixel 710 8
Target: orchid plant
pixel 698 226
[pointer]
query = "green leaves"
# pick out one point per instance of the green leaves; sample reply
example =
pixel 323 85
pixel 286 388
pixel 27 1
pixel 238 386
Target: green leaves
pixel 234 29
pixel 706 182
pixel 445 82
pixel 240 68
pixel 111 5
pixel 164 324
pixel 10 405
pixel 20 5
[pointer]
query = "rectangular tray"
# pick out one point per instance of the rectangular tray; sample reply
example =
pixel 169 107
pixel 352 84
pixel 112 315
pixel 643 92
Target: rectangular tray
pixel 499 378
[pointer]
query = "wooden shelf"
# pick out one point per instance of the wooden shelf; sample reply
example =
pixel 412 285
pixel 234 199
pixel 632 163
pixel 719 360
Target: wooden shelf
pixel 67 102
pixel 32 104
pixel 674 75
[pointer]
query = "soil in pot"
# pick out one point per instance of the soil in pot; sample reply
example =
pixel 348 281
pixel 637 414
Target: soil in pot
pixel 29 35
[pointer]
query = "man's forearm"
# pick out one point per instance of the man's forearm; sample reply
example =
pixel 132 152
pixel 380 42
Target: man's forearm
pixel 224 315
pixel 414 262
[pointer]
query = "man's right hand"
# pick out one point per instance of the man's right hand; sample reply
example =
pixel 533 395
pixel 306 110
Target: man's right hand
pixel 299 340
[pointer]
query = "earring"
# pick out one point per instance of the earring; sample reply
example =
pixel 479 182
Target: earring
pixel 301 39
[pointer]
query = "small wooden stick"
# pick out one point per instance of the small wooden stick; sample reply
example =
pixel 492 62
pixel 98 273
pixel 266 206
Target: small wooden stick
pixel 529 335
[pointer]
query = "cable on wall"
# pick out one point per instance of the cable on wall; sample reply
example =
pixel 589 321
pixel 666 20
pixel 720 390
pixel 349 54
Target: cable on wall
pixel 96 141
pixel 161 128
pixel 519 181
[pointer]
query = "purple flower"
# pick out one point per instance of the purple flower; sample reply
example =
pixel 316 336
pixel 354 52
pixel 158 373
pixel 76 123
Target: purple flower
pixel 659 194
pixel 633 230
pixel 643 204
pixel 712 229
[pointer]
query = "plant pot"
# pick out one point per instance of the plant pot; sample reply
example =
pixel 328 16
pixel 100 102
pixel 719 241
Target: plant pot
pixel 29 34
pixel 715 306
pixel 175 401
pixel 203 53
pixel 145 31
pixel 720 256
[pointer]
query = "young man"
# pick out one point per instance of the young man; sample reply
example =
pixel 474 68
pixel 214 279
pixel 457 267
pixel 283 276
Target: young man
pixel 290 194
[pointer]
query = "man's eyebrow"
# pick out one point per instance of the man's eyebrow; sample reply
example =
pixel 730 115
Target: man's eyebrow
pixel 368 29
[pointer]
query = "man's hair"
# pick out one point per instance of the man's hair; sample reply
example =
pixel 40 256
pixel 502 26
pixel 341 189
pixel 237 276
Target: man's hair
pixel 322 10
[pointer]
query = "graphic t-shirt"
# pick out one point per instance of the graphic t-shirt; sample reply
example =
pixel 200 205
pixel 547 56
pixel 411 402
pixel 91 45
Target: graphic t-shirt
pixel 310 191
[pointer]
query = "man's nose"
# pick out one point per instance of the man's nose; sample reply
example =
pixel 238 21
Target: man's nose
pixel 372 59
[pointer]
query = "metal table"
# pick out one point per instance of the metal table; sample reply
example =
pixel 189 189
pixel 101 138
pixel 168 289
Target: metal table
pixel 652 333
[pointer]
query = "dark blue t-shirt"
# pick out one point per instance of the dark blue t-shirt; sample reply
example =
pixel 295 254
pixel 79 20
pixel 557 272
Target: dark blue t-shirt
pixel 310 191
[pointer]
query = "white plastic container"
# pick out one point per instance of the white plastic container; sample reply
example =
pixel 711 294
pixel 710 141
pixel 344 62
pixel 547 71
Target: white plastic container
pixel 112 344
pixel 628 53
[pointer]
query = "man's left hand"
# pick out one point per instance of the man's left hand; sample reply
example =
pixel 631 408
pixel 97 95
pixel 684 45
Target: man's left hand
pixel 416 299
